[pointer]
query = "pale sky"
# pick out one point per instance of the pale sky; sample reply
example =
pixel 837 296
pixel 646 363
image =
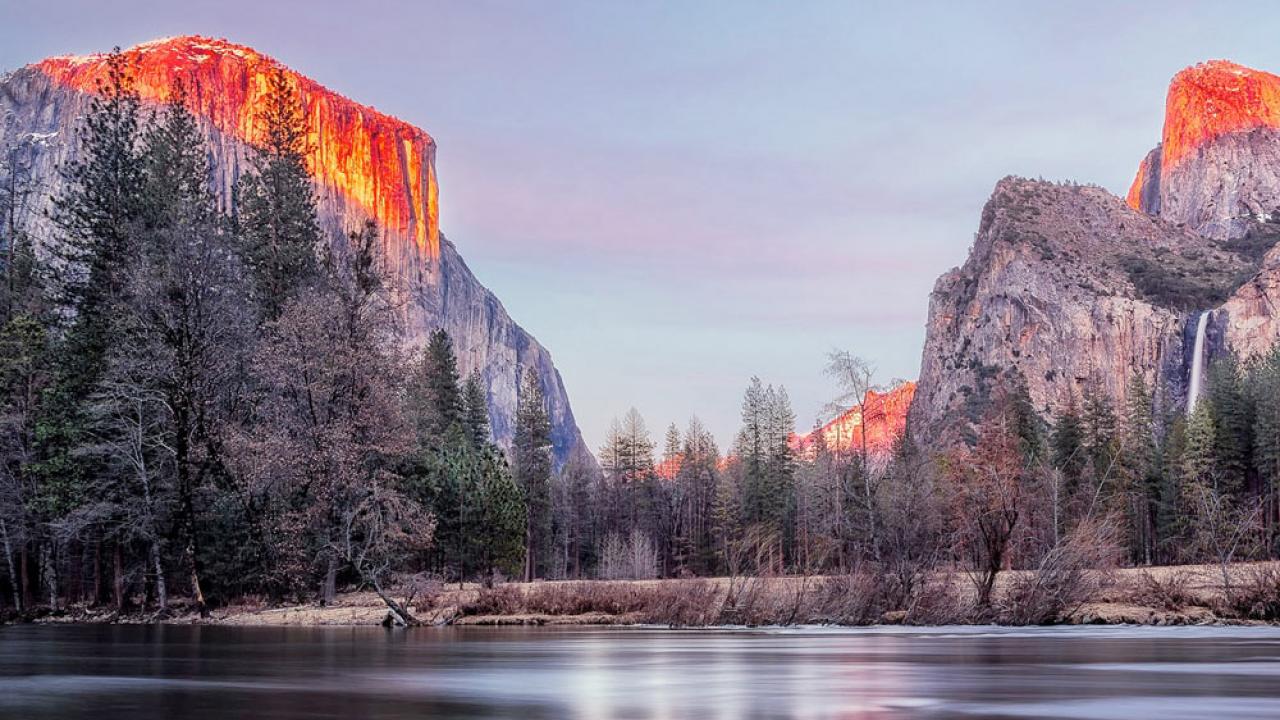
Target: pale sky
pixel 673 197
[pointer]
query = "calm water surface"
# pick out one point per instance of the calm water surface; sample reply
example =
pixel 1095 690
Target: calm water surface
pixel 140 673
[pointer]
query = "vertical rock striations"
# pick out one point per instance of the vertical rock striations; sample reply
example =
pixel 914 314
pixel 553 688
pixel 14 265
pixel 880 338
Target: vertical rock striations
pixel 366 165
pixel 1067 287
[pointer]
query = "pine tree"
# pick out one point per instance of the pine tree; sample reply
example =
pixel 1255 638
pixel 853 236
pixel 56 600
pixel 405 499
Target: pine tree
pixel 181 325
pixel 1024 418
pixel 671 452
pixel 1100 440
pixel 780 471
pixel 1169 524
pixel 1069 453
pixel 102 206
pixel 275 201
pixel 98 216
pixel 1264 390
pixel 532 453
pixel 437 402
pixel 1199 465
pixel 23 286
pixel 476 404
pixel 751 448
pixel 1139 468
pixel 501 517
pixel 1232 411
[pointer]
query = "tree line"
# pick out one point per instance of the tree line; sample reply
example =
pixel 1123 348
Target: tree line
pixel 204 399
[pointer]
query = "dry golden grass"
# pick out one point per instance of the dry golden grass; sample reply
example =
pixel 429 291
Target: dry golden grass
pixel 1184 594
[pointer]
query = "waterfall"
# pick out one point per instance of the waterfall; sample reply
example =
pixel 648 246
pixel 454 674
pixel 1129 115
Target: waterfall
pixel 1197 363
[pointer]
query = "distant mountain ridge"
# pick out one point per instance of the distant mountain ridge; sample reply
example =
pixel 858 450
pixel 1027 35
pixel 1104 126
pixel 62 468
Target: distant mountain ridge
pixel 880 420
pixel 365 164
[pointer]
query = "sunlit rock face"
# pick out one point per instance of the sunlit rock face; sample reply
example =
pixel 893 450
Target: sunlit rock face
pixel 382 166
pixel 882 421
pixel 1217 167
pixel 366 165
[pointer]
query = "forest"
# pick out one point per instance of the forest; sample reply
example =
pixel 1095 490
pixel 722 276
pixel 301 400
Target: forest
pixel 205 400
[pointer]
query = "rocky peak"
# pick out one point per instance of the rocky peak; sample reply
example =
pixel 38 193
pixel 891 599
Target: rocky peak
pixel 1212 99
pixel 1216 167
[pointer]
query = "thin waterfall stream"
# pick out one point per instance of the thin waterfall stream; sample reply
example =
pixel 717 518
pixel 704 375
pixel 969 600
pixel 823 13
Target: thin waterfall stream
pixel 1197 362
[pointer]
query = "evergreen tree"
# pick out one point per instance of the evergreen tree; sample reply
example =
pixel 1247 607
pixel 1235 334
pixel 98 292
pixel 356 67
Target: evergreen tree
pixel 532 453
pixel 1198 462
pixel 1169 526
pixel 671 451
pixel 751 448
pixel 1024 418
pixel 1069 453
pixel 780 470
pixel 1100 439
pixel 275 201
pixel 500 522
pixel 1139 468
pixel 100 211
pixel 437 402
pixel 1264 391
pixel 98 216
pixel 476 404
pixel 182 335
pixel 1232 411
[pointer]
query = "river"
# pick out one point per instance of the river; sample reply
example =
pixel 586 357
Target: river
pixel 188 673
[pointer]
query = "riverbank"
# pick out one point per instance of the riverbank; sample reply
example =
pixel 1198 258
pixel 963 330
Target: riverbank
pixel 1176 595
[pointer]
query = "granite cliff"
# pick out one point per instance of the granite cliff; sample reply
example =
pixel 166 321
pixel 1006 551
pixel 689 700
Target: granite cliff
pixel 365 165
pixel 1067 285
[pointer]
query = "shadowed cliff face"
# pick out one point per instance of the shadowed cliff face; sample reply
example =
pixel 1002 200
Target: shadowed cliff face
pixel 1067 286
pixel 365 165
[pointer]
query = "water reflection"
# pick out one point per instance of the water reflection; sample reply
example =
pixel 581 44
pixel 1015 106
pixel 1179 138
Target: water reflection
pixel 193 672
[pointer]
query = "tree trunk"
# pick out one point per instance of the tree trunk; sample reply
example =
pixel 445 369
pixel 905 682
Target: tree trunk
pixel 181 458
pixel 528 553
pixel 96 598
pixel 197 593
pixel 24 568
pixel 329 587
pixel 13 574
pixel 117 586
pixel 49 574
pixel 162 591
pixel 401 615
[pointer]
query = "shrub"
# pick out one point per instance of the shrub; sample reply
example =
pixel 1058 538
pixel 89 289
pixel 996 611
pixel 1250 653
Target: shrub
pixel 1169 593
pixel 1071 573
pixel 1257 597
pixel 498 600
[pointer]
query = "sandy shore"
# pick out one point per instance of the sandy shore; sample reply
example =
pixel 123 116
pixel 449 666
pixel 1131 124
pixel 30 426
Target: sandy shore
pixel 1176 595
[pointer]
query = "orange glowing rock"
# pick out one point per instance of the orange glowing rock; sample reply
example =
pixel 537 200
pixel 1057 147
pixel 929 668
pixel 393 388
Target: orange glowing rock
pixel 883 422
pixel 669 468
pixel 1205 102
pixel 384 166
pixel 1134 197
